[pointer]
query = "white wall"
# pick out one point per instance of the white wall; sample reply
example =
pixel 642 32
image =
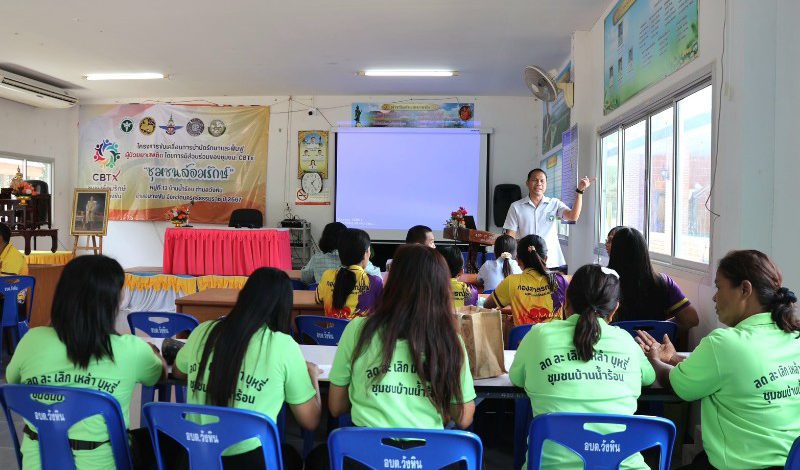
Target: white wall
pixel 516 122
pixel 758 139
pixel 26 131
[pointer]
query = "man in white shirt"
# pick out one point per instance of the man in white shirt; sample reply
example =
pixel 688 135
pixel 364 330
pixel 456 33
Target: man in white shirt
pixel 537 214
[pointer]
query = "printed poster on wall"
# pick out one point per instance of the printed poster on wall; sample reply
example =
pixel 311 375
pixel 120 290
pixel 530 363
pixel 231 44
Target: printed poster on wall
pixel 413 115
pixel 646 41
pixel 312 169
pixel 552 168
pixel 153 157
pixel 556 114
pixel 569 165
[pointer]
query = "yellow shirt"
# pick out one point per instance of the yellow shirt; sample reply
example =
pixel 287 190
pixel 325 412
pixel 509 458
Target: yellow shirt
pixel 531 297
pixel 361 300
pixel 12 262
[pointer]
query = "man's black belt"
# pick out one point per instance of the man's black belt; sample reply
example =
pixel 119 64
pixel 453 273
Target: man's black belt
pixel 75 444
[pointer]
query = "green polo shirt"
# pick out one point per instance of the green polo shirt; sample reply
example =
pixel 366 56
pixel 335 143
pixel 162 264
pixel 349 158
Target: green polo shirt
pixel 748 380
pixel 547 366
pixel 396 399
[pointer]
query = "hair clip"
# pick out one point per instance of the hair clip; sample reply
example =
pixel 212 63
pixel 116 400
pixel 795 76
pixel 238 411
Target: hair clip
pixel 609 272
pixel 505 255
pixel 531 249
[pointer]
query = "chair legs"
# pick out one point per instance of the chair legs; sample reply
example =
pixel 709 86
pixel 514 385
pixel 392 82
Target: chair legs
pixel 523 415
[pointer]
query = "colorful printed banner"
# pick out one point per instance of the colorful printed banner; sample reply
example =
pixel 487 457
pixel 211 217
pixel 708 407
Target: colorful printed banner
pixel 157 156
pixel 646 41
pixel 556 114
pixel 413 115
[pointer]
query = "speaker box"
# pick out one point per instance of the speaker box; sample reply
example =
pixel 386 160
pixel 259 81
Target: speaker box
pixel 504 196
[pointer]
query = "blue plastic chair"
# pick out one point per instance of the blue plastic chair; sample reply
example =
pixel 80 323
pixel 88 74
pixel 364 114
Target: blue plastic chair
pixel 657 329
pixel 313 286
pixel 52 421
pixel 297 284
pixel 323 331
pixel 206 442
pixel 601 451
pixel 488 257
pixel 10 287
pixel 793 461
pixel 516 335
pixel 374 446
pixel 175 323
pixel 523 414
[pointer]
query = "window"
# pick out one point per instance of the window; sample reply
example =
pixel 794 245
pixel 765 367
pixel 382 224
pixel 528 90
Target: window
pixel 663 158
pixel 609 162
pixel 30 169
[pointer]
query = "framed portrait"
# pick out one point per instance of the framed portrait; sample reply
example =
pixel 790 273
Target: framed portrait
pixel 90 211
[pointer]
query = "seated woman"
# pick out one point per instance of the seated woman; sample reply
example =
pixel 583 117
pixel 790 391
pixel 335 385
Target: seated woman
pixel 349 292
pixel 746 376
pixel 413 331
pixel 536 295
pixel 646 295
pixel 248 360
pixel 328 256
pixel 492 272
pixel 463 293
pixel 81 343
pixel 557 362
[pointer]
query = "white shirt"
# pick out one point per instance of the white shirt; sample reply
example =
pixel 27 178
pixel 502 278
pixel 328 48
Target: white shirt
pixel 491 272
pixel 526 219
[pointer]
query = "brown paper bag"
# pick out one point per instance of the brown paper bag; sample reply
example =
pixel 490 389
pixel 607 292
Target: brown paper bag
pixel 482 332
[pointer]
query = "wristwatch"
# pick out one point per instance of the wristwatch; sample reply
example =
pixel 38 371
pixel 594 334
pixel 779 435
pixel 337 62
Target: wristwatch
pixel 578 191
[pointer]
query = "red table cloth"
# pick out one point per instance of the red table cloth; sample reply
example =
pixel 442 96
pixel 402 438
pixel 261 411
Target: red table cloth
pixel 239 252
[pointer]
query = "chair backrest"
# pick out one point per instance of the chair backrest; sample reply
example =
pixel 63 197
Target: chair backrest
pixel 656 328
pixel 206 442
pixel 161 324
pixel 601 450
pixel 246 218
pixel 516 335
pixel 405 448
pixel 324 331
pixel 40 186
pixel 793 462
pixel 52 421
pixel 298 284
pixel 10 286
pixel 313 286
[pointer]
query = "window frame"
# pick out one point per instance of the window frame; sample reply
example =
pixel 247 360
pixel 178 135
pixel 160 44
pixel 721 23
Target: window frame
pixel 646 112
pixel 32 158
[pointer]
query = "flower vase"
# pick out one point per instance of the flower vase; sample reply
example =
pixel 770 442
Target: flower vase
pixel 23 200
pixel 178 223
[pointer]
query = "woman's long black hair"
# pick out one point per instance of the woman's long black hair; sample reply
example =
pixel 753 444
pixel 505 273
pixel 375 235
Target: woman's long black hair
pixel 591 293
pixel 85 307
pixel 353 243
pixel 641 287
pixel 265 300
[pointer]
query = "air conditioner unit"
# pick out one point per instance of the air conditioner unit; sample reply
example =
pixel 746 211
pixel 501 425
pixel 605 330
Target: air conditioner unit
pixel 24 90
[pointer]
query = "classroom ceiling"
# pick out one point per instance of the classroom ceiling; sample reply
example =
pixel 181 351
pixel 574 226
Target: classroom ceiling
pixel 300 47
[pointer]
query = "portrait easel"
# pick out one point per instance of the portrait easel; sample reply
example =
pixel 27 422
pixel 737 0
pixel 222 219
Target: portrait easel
pixel 95 248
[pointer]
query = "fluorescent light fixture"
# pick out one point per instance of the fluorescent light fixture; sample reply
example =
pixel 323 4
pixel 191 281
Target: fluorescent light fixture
pixel 408 73
pixel 125 76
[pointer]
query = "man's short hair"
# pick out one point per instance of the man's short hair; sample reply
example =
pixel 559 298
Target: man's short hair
pixel 5 232
pixel 417 233
pixel 530 173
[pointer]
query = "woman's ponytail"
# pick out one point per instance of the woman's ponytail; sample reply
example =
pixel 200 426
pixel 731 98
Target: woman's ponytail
pixel 343 286
pixel 783 310
pixel 587 334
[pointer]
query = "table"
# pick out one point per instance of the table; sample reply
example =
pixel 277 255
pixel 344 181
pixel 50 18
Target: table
pixel 495 387
pixel 214 303
pixel 28 233
pixel 234 252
